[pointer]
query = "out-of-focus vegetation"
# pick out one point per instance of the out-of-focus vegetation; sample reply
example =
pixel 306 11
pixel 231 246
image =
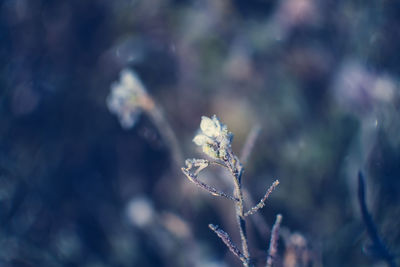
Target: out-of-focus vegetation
pixel 321 78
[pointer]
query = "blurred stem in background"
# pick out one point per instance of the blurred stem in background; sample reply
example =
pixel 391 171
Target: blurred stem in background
pixel 378 248
pixel 128 98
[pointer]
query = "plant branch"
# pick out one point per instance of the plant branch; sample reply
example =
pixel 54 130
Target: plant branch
pixel 261 204
pixel 228 242
pixel 236 169
pixel 213 191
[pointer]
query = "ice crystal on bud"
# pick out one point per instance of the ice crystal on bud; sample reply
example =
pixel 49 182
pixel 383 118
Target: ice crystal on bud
pixel 214 138
pixel 128 98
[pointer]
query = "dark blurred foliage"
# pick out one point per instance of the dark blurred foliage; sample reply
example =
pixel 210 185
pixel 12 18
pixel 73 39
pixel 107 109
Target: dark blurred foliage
pixel 320 77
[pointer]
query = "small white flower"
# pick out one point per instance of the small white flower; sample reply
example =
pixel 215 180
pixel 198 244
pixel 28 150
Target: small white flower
pixel 214 137
pixel 211 127
pixel 127 98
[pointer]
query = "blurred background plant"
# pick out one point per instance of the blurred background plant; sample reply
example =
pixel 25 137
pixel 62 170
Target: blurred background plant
pixel 321 78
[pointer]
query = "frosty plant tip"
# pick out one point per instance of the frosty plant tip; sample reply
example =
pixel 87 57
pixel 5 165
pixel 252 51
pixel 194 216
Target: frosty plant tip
pixel 128 97
pixel 216 140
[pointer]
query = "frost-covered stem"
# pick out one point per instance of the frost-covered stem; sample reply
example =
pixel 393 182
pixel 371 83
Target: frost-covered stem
pixel 261 204
pixel 213 191
pixel 228 242
pixel 241 221
pixel 236 170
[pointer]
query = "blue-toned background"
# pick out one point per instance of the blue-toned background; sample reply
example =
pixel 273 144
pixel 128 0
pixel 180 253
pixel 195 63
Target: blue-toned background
pixel 321 78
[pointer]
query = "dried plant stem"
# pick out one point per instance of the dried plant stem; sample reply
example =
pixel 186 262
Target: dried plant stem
pixel 228 242
pixel 261 204
pixel 273 244
pixel 213 191
pixel 236 169
pixel 258 221
pixel 241 221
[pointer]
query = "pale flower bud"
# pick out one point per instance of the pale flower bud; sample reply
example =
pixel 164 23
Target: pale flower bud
pixel 214 138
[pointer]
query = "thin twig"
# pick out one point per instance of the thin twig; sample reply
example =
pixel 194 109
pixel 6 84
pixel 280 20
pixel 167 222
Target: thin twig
pixel 236 170
pixel 242 228
pixel 258 221
pixel 213 191
pixel 228 242
pixel 261 204
pixel 378 245
pixel 218 164
pixel 273 243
